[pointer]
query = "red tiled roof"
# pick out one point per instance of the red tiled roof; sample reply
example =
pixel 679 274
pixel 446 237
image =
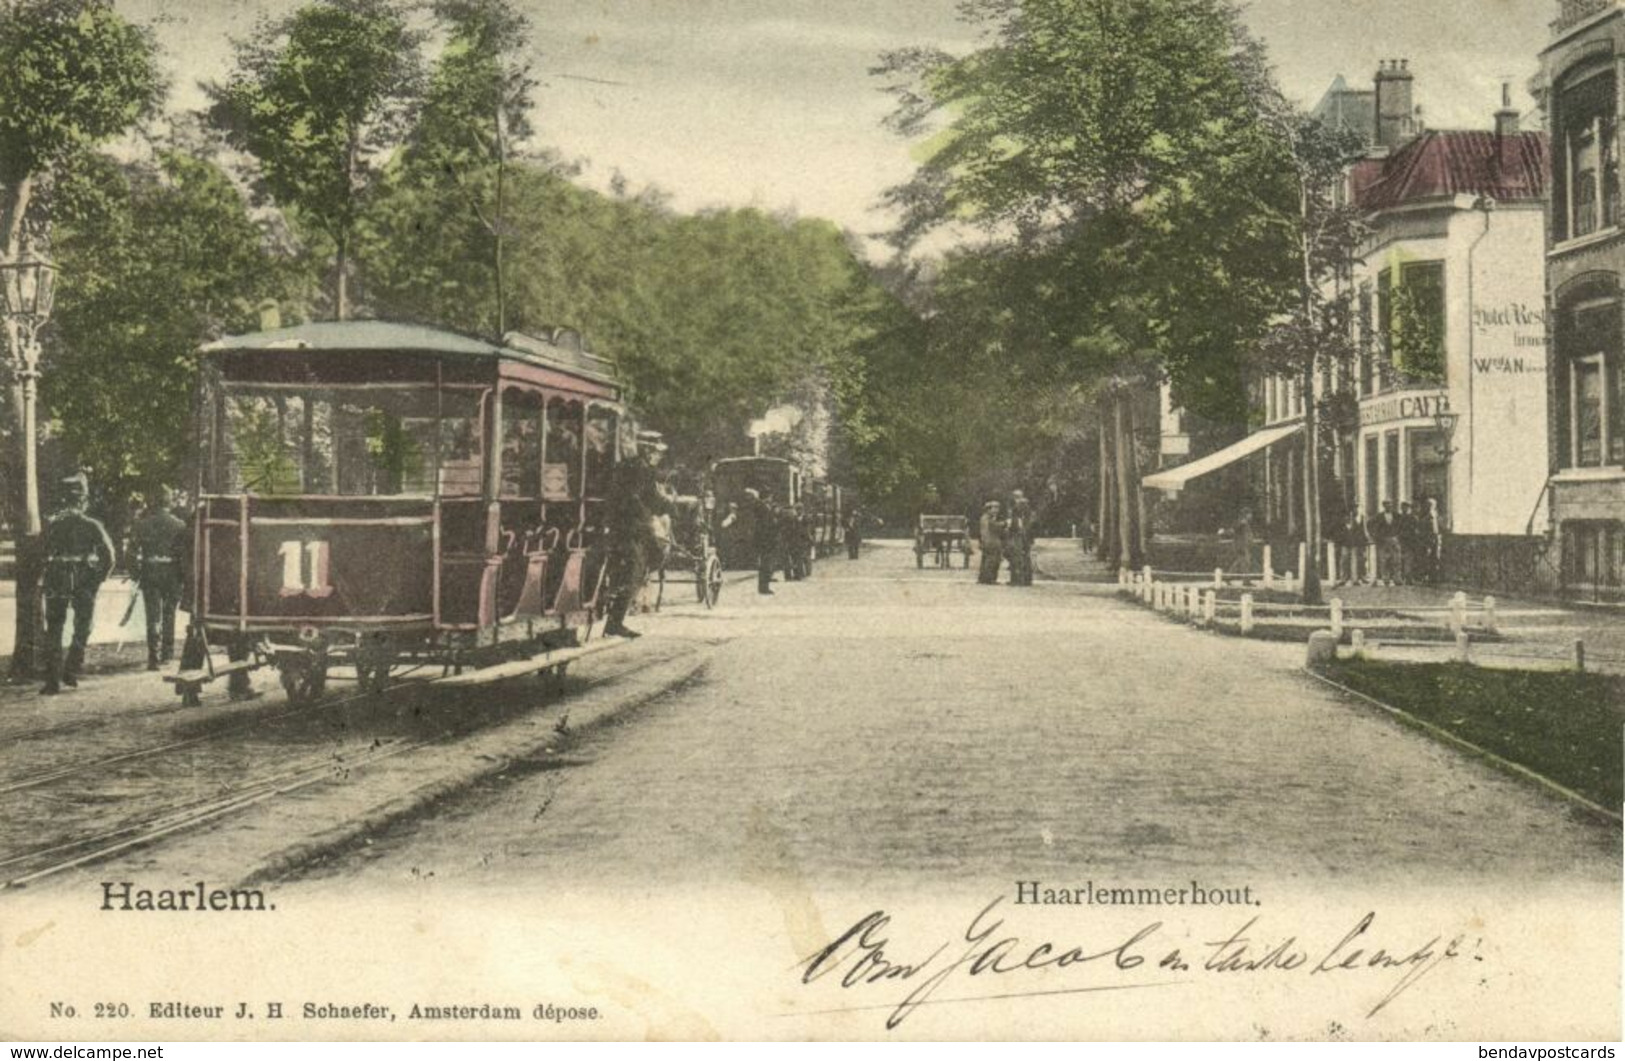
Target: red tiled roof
pixel 1449 162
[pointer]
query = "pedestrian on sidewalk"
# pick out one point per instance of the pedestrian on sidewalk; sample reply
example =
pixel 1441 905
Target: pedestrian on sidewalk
pixel 1412 546
pixel 158 547
pixel 636 499
pixel 1430 531
pixel 1385 532
pixel 78 558
pixel 1352 542
pixel 992 534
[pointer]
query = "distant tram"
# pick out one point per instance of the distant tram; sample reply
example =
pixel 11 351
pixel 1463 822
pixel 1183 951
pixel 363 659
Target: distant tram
pixel 379 495
pixel 780 483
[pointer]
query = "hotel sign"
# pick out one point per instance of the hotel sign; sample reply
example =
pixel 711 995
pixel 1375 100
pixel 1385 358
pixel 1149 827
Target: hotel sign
pixel 1403 407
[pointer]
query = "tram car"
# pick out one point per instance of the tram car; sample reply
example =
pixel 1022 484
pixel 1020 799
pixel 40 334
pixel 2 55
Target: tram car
pixel 382 495
pixel 779 483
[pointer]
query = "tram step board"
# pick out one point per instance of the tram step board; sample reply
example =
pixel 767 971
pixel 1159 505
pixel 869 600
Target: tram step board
pixel 199 677
pixel 546 661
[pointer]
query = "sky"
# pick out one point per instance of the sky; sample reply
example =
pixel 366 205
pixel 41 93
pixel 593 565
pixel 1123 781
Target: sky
pixel 770 103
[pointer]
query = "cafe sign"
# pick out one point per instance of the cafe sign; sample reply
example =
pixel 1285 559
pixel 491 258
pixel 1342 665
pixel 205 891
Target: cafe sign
pixel 1381 410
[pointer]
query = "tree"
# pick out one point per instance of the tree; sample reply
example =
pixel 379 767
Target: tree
pixel 72 74
pixel 1316 335
pixel 317 98
pixel 160 257
pixel 1079 135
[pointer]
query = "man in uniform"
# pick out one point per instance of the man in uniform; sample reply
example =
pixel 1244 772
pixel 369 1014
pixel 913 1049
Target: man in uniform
pixel 992 538
pixel 764 538
pixel 157 546
pixel 636 498
pixel 78 557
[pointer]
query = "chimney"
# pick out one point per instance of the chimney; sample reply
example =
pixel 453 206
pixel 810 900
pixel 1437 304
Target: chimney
pixel 1394 107
pixel 1506 131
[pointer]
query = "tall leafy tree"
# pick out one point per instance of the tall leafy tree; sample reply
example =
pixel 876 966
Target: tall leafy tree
pixel 1079 135
pixel 73 74
pixel 158 258
pixel 320 98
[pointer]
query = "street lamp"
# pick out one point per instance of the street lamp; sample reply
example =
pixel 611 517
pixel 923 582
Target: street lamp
pixel 27 284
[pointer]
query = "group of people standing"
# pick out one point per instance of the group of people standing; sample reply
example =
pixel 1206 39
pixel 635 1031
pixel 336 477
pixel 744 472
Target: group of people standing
pixel 1007 535
pixel 1408 545
pixel 79 557
pixel 782 538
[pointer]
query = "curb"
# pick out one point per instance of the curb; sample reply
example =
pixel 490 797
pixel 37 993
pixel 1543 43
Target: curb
pixel 1468 746
pixel 277 865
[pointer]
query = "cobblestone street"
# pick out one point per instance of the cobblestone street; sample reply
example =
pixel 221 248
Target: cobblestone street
pixel 879 724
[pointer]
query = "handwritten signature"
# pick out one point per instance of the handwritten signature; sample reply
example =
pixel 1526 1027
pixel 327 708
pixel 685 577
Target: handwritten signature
pixel 864 957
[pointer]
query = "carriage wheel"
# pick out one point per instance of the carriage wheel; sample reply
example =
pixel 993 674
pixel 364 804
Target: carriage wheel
pixel 303 680
pixel 710 586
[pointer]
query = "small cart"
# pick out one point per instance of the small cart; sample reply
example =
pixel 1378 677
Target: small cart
pixel 939 536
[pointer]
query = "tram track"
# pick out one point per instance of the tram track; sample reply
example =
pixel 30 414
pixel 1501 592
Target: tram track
pixel 62 855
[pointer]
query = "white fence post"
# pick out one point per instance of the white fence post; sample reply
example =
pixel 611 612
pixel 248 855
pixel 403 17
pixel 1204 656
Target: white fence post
pixel 1145 578
pixel 1357 643
pixel 1246 613
pixel 1463 650
pixel 1210 607
pixel 1337 617
pixel 1490 622
pixel 1218 578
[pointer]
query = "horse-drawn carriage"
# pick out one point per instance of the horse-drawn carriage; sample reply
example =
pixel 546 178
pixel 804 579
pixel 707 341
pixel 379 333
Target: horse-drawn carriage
pixel 688 550
pixel 939 537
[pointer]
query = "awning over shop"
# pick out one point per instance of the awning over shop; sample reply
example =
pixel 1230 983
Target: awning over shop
pixel 1173 479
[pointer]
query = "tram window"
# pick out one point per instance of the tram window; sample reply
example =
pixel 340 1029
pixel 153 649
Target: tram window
pixel 521 443
pixel 338 442
pixel 561 476
pixel 460 449
pixel 601 428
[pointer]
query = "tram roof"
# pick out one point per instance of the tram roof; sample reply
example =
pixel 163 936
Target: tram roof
pixel 401 337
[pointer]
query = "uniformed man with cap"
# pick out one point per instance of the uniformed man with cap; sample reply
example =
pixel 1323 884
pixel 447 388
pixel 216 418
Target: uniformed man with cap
pixel 992 537
pixel 1018 541
pixel 635 499
pixel 157 548
pixel 78 558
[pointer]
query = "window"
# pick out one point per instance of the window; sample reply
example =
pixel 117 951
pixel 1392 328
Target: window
pixel 1590 344
pixel 1385 329
pixel 561 475
pixel 346 442
pixel 521 443
pixel 1587 150
pixel 1367 342
pixel 1418 322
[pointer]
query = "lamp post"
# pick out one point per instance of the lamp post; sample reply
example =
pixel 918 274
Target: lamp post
pixel 1446 422
pixel 27 284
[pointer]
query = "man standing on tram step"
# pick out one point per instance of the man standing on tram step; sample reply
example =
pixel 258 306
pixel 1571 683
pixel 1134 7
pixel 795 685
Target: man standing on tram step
pixel 157 549
pixel 78 558
pixel 992 538
pixel 636 498
pixel 764 538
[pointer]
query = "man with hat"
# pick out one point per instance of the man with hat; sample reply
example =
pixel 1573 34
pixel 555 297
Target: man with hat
pixel 635 499
pixel 157 546
pixel 78 557
pixel 992 538
pixel 764 538
pixel 1018 543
